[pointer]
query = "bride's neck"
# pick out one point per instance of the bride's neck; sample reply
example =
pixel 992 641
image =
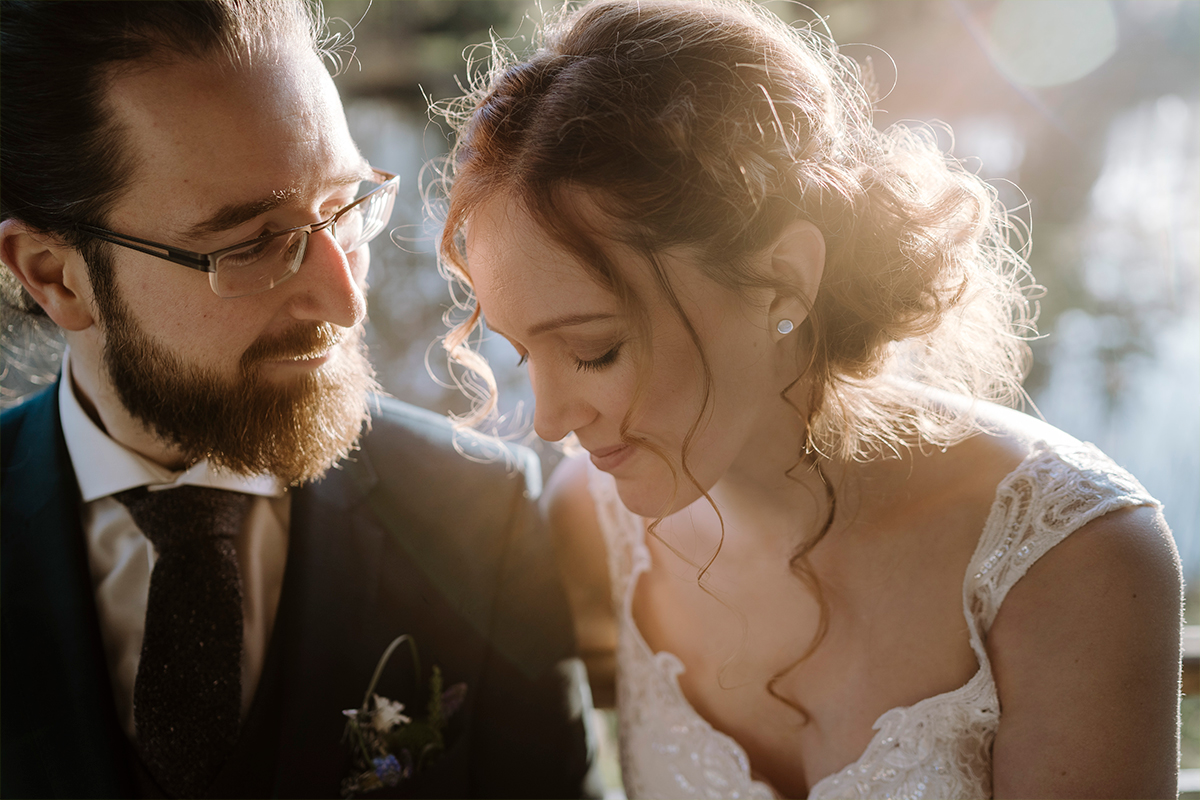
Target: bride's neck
pixel 772 476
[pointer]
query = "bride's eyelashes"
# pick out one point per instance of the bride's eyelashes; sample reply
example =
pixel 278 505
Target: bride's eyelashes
pixel 584 365
pixel 597 364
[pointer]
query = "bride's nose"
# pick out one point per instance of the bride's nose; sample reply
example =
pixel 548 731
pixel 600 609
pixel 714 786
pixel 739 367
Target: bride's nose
pixel 558 408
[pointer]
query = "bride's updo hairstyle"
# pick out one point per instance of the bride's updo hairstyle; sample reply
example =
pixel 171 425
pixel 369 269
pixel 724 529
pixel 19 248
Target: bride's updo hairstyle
pixel 712 126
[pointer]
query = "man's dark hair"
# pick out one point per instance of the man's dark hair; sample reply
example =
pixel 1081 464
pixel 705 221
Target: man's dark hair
pixel 63 159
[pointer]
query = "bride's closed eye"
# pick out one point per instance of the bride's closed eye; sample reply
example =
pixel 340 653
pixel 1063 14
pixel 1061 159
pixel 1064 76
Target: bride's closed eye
pixel 597 364
pixel 584 364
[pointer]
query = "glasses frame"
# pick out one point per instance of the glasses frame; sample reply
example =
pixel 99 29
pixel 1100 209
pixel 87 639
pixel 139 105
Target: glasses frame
pixel 207 262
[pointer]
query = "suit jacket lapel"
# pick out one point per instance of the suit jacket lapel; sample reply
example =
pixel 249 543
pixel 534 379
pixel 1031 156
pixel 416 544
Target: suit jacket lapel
pixel 332 577
pixel 59 714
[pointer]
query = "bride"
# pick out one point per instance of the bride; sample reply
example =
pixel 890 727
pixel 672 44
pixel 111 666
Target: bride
pixel 825 561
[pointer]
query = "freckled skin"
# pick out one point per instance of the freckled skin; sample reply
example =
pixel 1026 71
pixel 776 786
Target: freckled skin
pixel 519 275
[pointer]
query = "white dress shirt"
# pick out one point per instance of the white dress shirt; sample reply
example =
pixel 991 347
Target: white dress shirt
pixel 121 557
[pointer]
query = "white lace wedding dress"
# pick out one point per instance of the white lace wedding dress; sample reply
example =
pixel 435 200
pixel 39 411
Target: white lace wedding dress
pixel 938 747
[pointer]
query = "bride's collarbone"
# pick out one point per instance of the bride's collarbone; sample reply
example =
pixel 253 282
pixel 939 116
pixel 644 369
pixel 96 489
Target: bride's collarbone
pixel 891 570
pixel 881 580
pixel 896 635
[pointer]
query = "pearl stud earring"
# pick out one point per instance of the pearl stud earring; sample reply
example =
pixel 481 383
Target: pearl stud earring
pixel 785 326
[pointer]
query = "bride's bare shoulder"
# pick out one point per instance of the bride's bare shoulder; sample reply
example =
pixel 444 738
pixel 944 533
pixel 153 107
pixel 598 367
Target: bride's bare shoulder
pixel 962 479
pixel 1017 429
pixel 1006 437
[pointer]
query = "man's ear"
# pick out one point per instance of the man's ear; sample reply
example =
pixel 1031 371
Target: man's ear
pixel 51 272
pixel 797 261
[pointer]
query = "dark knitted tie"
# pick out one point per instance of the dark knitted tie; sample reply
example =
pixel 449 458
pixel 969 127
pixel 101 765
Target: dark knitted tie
pixel 188 694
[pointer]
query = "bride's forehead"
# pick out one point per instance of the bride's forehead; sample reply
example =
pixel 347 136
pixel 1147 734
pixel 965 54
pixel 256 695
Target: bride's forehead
pixel 505 239
pixel 572 216
pixel 515 267
pixel 515 256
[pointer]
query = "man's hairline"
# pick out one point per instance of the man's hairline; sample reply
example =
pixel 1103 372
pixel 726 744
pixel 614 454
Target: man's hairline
pixel 131 164
pixel 163 56
pixel 16 298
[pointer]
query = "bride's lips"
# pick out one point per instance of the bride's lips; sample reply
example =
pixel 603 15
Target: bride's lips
pixel 609 458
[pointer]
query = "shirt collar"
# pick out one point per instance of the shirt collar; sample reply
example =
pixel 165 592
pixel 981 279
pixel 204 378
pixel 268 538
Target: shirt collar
pixel 104 467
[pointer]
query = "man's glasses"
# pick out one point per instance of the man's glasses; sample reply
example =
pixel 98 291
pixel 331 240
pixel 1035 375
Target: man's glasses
pixel 260 264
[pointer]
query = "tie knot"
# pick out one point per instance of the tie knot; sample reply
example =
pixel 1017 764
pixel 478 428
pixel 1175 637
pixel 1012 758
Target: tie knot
pixel 186 514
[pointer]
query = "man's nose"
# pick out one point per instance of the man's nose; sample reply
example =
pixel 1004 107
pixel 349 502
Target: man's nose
pixel 329 286
pixel 559 408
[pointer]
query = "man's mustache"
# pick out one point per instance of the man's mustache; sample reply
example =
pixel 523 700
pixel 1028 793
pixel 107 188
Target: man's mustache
pixel 302 341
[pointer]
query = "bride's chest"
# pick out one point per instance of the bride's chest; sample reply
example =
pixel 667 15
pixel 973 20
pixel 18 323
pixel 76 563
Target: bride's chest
pixel 798 715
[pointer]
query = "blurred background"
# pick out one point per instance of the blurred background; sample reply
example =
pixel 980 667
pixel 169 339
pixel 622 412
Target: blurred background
pixel 1082 113
pixel 1090 107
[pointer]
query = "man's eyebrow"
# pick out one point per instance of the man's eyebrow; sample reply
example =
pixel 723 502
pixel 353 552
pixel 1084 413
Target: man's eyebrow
pixel 236 214
pixel 564 321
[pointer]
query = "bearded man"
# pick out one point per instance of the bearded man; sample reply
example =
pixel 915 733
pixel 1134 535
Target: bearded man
pixel 211 529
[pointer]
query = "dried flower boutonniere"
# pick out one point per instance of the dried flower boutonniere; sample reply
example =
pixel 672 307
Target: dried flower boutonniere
pixel 389 745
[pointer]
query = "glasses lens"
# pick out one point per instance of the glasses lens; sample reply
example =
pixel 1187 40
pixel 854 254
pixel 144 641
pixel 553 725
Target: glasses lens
pixel 349 228
pixel 366 219
pixel 260 265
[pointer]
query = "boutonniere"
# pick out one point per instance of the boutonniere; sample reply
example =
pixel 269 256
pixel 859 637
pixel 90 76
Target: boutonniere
pixel 389 745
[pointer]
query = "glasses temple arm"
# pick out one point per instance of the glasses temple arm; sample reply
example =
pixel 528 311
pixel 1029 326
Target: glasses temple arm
pixel 184 258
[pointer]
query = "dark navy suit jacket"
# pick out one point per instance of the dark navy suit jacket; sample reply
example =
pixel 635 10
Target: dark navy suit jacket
pixel 405 536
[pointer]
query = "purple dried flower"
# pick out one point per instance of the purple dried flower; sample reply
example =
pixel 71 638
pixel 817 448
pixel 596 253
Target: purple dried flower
pixel 389 770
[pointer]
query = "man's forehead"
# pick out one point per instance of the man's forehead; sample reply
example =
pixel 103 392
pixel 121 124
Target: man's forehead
pixel 207 140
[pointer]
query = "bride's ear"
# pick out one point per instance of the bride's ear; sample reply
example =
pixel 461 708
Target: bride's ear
pixel 798 262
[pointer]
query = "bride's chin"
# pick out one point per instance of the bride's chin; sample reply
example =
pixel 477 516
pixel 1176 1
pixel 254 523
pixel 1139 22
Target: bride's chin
pixel 653 498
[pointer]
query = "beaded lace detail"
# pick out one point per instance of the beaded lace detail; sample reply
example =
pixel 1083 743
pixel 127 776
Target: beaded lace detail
pixel 938 747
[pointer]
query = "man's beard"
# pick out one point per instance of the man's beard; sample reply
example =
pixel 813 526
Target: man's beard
pixel 294 430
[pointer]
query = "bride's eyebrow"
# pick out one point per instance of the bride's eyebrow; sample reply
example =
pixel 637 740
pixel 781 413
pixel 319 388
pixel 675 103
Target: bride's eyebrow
pixel 555 323
pixel 568 320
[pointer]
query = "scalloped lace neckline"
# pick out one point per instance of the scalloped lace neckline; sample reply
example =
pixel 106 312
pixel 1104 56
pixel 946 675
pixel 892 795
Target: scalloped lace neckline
pixel 671 667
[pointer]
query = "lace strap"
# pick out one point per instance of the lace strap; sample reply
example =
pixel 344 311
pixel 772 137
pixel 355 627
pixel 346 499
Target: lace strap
pixel 1052 493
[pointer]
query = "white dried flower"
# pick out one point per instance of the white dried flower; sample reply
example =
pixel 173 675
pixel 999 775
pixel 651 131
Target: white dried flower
pixel 387 715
